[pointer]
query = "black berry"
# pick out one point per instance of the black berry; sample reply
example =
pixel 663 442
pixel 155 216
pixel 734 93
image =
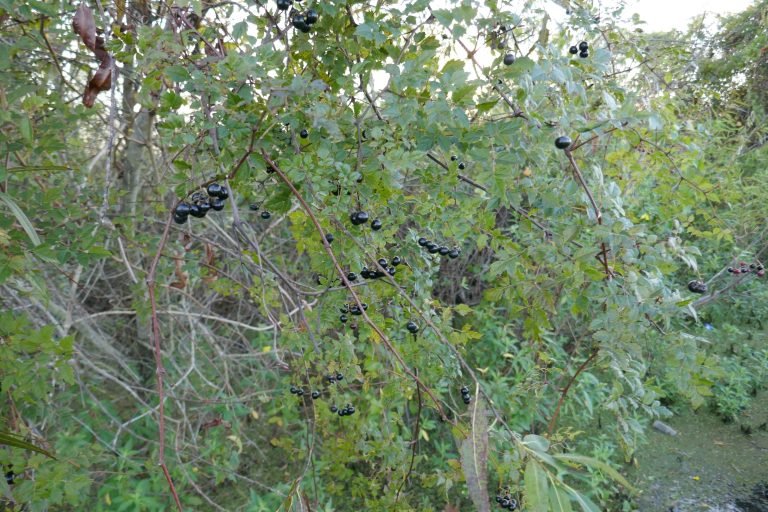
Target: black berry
pixel 573 50
pixel 315 395
pixel 382 262
pixel 509 59
pixel 563 142
pixel 584 54
pixel 583 46
pixel 299 392
pixel 304 133
pixel 412 327
pixel 343 319
pixel 453 254
pixel 339 376
pixel 265 215
pixel 396 261
pixel 214 189
pixel 454 158
pixel 284 5
pixel 462 165
pixel 299 21
pixel 358 218
pixel 329 238
pixel 352 276
pixel 433 248
pixel 333 408
pixel 182 209
pixel 464 390
pixel 254 207
pixel 195 211
pixel 376 225
pixel 204 207
pixel 294 390
pixel 423 241
pixel 312 17
pixel 443 251
pixel 217 204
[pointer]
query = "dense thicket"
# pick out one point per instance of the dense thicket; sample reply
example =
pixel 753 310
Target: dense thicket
pixel 571 309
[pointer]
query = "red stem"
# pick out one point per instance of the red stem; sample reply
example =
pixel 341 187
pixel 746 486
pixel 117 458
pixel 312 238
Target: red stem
pixel 159 368
pixel 553 421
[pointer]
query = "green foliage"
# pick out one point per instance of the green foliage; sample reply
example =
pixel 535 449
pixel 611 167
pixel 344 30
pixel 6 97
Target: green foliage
pixel 568 319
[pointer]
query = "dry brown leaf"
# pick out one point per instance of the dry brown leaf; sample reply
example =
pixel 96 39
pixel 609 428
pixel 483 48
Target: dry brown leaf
pixel 85 26
pixel 181 276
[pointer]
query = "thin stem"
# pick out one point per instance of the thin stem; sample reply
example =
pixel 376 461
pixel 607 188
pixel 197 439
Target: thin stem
pixel 553 421
pixel 159 368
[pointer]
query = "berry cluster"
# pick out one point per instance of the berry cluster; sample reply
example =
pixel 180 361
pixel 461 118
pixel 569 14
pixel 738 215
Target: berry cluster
pixel 365 273
pixel 465 396
pixel 354 310
pixel 433 248
pixel 334 378
pixel 348 410
pixel 201 203
pixel 743 268
pixel 264 215
pixel 358 218
pixel 461 165
pixel 697 286
pixel 298 391
pixel 582 50
pixel 506 501
pixel 302 21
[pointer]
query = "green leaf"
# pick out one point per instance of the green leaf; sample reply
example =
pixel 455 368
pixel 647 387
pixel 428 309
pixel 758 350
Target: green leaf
pixel 10 439
pixel 597 464
pixel 21 218
pixel 585 503
pixel 25 127
pixel 536 443
pixel 535 487
pixel 559 500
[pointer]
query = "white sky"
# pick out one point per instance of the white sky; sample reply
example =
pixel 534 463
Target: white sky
pixel 675 14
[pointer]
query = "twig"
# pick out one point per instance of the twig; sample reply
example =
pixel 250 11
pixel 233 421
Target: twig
pixel 155 334
pixel 414 442
pixel 553 421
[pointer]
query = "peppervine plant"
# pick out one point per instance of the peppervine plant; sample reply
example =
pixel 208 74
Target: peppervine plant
pixel 463 156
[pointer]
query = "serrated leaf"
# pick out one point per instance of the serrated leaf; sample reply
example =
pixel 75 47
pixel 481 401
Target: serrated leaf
pixel 536 499
pixel 21 217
